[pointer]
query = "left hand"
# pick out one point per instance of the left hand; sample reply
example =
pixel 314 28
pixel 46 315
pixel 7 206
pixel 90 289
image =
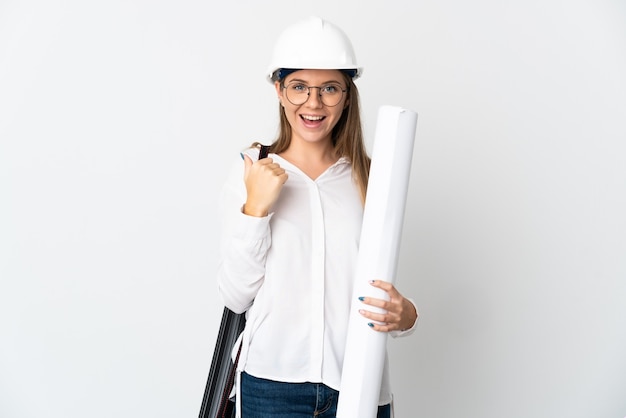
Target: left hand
pixel 400 312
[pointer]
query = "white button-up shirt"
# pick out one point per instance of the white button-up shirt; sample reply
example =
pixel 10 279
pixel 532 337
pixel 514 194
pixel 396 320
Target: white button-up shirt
pixel 293 272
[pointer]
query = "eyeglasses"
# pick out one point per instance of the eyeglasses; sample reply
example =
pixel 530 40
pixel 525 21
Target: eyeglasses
pixel 298 93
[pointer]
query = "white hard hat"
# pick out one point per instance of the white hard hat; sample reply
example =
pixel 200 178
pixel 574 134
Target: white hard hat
pixel 312 43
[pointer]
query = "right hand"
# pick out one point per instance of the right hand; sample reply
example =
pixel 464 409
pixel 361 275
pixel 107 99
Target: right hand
pixel 264 180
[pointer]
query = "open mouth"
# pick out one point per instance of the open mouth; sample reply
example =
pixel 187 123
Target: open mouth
pixel 313 119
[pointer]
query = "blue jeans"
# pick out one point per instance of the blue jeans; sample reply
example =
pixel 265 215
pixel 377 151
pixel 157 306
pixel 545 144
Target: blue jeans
pixel 261 398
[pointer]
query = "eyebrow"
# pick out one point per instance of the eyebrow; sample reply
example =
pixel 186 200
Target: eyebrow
pixel 325 82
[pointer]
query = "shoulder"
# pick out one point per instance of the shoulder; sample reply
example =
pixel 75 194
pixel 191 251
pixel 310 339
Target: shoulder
pixel 253 151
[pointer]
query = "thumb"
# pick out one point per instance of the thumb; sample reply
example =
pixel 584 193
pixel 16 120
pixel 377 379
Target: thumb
pixel 247 161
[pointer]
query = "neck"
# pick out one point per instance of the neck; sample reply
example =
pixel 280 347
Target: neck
pixel 311 152
pixel 313 158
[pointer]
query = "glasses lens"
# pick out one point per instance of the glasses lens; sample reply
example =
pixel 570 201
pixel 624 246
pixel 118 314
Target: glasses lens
pixel 329 94
pixel 297 93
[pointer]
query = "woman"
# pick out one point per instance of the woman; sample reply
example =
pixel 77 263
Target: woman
pixel 290 235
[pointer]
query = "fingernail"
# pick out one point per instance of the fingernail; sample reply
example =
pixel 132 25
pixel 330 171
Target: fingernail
pixel 370 325
pixel 372 281
pixel 361 298
pixel 241 154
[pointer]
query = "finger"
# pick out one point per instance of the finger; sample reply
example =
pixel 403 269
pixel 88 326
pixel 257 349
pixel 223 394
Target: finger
pixel 381 284
pixel 383 328
pixel 378 322
pixel 385 318
pixel 387 287
pixel 267 166
pixel 276 176
pixel 266 161
pixel 247 161
pixel 379 303
pixel 279 173
pixel 276 169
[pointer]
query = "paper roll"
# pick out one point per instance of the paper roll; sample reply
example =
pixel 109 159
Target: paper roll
pixel 379 246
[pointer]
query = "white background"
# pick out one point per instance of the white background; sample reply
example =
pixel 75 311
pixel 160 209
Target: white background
pixel 119 119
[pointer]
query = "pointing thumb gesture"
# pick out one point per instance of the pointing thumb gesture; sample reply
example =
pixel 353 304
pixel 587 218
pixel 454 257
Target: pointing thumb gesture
pixel 247 161
pixel 264 180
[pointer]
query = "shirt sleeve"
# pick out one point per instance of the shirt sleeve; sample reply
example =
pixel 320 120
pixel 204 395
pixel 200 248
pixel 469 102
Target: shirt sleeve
pixel 407 332
pixel 244 242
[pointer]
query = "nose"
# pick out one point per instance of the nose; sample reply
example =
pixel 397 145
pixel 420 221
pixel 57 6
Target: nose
pixel 315 99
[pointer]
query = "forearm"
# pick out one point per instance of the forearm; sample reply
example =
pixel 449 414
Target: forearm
pixel 241 268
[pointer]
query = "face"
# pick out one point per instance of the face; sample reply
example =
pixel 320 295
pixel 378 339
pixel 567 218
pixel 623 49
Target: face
pixel 312 121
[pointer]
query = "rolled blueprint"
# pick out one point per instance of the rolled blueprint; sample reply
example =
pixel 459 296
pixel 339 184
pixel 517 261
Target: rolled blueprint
pixel 383 216
pixel 215 402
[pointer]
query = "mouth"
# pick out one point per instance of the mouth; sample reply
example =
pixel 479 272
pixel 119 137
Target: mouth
pixel 312 118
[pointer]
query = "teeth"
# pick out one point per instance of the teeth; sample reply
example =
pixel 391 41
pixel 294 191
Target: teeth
pixel 307 117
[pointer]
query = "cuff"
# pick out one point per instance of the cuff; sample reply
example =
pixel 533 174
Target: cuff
pixel 252 227
pixel 407 332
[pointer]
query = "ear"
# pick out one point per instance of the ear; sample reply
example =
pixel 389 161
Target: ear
pixel 279 91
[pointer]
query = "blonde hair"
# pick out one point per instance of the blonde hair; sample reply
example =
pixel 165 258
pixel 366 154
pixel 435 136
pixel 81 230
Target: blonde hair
pixel 347 138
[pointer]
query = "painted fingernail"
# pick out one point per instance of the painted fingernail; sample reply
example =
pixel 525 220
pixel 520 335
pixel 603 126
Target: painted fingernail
pixel 241 154
pixel 372 281
pixel 361 298
pixel 370 325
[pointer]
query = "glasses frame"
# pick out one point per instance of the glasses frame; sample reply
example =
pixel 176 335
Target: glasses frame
pixel 308 92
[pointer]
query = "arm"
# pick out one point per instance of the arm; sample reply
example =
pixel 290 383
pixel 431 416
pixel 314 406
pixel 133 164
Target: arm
pixel 245 237
pixel 401 313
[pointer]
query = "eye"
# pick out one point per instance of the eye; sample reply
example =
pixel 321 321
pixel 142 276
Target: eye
pixel 298 87
pixel 331 89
